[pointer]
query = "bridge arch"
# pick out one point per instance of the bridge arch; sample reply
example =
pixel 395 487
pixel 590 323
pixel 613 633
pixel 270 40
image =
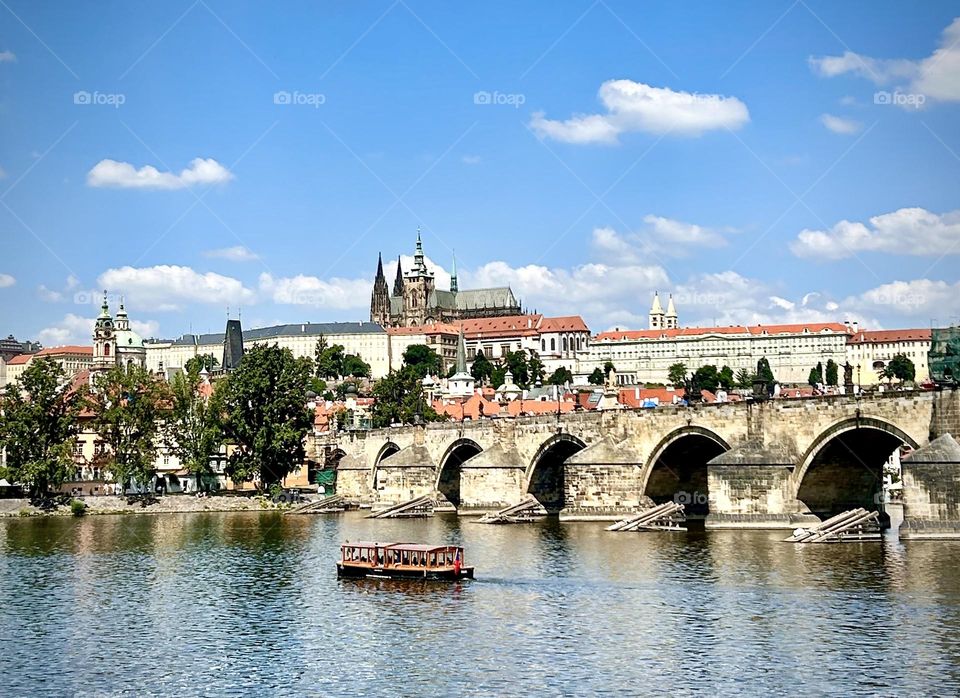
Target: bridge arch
pixel 545 474
pixel 677 468
pixel 448 471
pixel 843 467
pixel 387 450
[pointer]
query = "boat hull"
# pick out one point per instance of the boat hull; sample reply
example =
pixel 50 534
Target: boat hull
pixel 355 571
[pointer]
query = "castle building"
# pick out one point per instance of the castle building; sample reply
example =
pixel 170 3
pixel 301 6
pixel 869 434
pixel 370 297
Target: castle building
pixel 416 300
pixel 660 320
pixel 114 343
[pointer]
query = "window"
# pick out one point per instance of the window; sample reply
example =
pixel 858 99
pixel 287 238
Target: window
pixel 553 344
pixel 543 345
pixel 565 343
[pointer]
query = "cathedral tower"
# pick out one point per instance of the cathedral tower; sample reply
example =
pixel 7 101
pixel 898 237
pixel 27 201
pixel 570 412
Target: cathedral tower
pixel 380 298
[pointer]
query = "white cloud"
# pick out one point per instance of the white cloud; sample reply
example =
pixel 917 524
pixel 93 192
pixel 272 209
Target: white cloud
pixel 840 125
pixel 660 237
pixel 3 173
pixel 634 106
pixel 8 57
pixel 471 159
pixel 334 293
pixel 145 328
pixel 937 76
pixel 238 253
pixel 73 329
pixel 170 287
pixel 110 173
pixel 6 281
pixel 72 282
pixel 921 299
pixel 49 295
pixel 913 231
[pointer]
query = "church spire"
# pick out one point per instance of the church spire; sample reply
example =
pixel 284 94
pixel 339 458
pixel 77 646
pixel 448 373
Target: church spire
pixel 461 353
pixel 380 298
pixel 418 264
pixel 379 268
pixel 398 282
pixel 453 275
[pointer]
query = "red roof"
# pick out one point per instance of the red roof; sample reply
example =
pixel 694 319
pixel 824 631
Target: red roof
pixel 20 359
pixel 877 336
pixel 435 328
pixel 68 349
pixel 813 328
pixel 566 323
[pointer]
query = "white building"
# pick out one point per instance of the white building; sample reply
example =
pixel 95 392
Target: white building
pixel 645 356
pixel 365 339
pixel 555 339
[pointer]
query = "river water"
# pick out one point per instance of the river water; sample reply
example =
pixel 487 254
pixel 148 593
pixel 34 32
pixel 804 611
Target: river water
pixel 249 604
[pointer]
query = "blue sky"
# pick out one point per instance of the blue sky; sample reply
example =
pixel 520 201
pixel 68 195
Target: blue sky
pixel 776 162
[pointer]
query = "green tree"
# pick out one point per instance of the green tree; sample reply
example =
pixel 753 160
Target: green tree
pixel 482 369
pixel 328 363
pixel 814 377
pixel 263 404
pixel 422 359
pixel 39 426
pixel 196 363
pixel 902 367
pixel 707 377
pixel 727 380
pixel 607 367
pixel 128 405
pixel 764 371
pixel 516 361
pixel 193 427
pixel 595 378
pixel 535 369
pixel 561 376
pixel 677 373
pixel 318 354
pixel 354 366
pixel 744 378
pixel 399 399
pixel 833 371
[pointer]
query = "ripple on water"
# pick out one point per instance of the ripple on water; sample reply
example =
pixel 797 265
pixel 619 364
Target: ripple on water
pixel 248 603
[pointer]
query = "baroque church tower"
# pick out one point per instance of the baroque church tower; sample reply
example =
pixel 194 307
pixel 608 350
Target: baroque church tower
pixel 104 342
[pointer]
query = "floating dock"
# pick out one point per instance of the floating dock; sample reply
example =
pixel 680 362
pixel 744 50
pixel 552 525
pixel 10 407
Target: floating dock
pixel 419 506
pixel 524 512
pixel 663 517
pixel 851 526
pixel 327 505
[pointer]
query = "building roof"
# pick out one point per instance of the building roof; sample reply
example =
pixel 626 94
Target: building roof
pixel 564 323
pixel 66 349
pixel 880 336
pixel 477 298
pixel 20 359
pixel 752 330
pixel 288 330
pixel 435 328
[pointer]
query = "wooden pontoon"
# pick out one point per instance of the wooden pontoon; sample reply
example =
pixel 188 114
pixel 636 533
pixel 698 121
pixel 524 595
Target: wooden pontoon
pixel 850 526
pixel 402 561
pixel 524 512
pixel 663 517
pixel 419 506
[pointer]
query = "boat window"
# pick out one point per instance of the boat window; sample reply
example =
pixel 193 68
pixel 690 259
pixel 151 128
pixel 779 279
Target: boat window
pixel 363 554
pixel 406 557
pixel 433 559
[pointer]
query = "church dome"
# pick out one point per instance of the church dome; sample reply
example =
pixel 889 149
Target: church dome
pixel 128 339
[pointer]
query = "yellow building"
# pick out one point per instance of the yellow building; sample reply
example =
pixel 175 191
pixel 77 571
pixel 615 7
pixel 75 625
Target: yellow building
pixel 869 352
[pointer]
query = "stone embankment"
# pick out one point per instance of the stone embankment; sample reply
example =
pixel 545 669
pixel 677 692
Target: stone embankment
pixel 169 504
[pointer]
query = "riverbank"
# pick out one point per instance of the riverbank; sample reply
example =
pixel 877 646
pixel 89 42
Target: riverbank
pixel 168 504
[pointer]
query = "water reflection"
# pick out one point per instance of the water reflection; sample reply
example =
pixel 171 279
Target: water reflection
pixel 249 604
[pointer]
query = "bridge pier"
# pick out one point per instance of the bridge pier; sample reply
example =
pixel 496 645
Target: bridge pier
pixel 353 480
pixel 603 482
pixel 751 486
pixel 491 480
pixel 402 476
pixel 931 491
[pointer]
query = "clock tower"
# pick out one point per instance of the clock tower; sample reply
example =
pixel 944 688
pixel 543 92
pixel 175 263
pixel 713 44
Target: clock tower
pixel 104 342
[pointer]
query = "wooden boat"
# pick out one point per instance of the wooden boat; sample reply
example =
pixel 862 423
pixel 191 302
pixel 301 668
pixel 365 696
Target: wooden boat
pixel 402 561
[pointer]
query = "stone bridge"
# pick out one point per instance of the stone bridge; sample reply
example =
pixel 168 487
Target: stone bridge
pixel 773 464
